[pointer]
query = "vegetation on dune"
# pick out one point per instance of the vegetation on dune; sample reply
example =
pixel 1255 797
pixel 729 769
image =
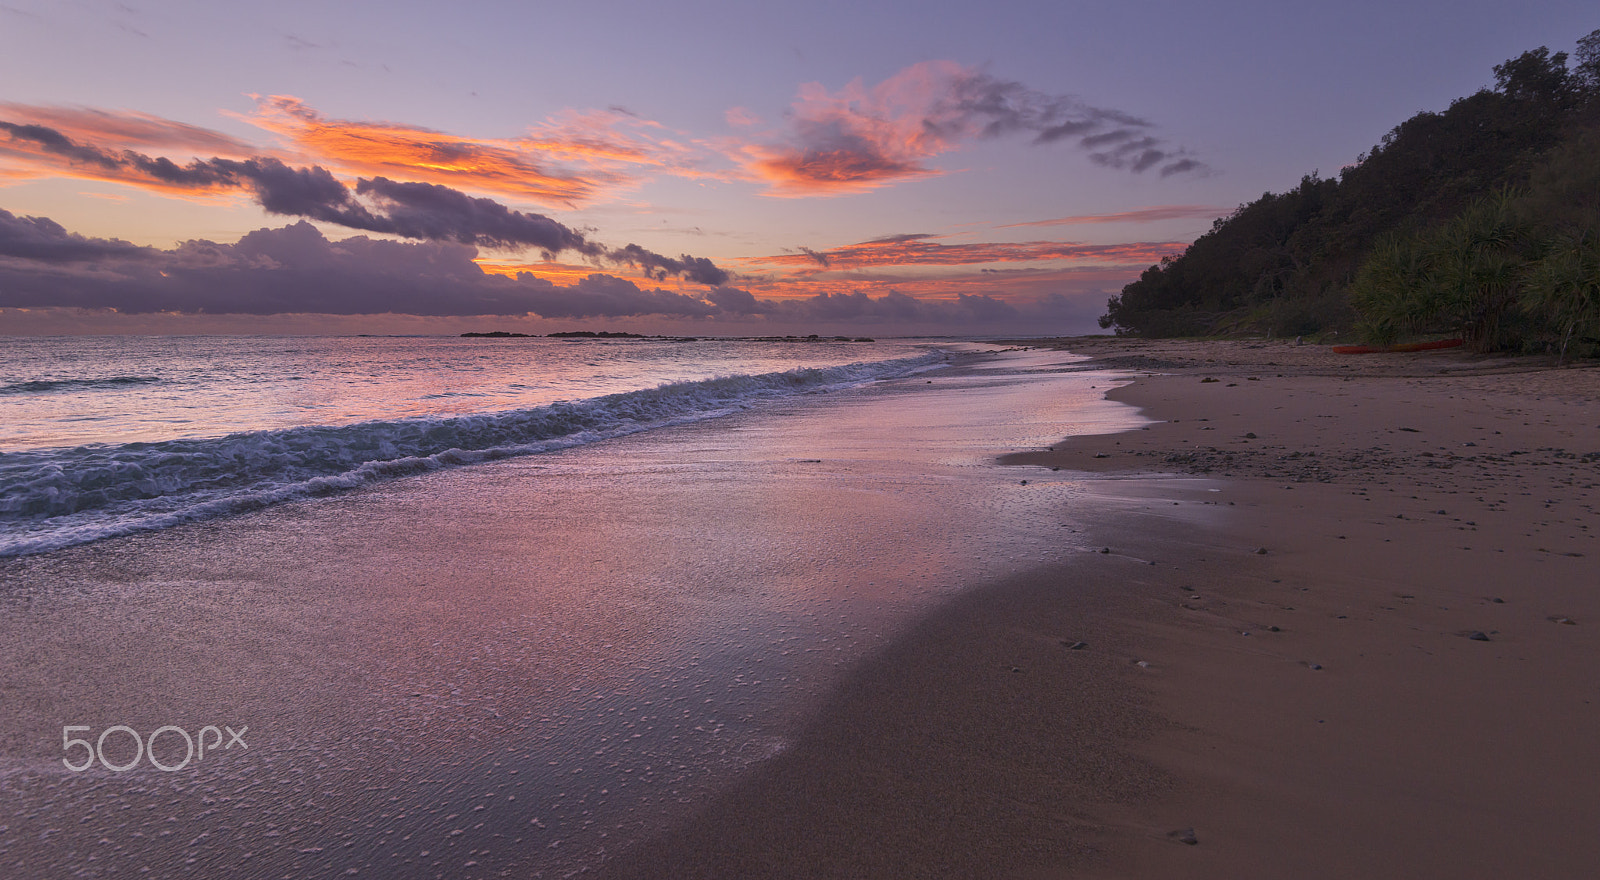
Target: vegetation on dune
pixel 1482 221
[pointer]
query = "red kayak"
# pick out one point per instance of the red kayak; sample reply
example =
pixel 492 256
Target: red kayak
pixel 1404 346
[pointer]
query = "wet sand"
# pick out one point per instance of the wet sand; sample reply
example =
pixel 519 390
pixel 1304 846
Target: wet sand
pixel 1340 617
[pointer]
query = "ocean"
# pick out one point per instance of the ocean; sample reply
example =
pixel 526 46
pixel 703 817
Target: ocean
pixel 636 582
pixel 104 436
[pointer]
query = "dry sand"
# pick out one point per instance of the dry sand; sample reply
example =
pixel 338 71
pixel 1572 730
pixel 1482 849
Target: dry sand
pixel 1346 624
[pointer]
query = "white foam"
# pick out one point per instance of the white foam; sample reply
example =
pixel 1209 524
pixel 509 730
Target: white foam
pixel 56 498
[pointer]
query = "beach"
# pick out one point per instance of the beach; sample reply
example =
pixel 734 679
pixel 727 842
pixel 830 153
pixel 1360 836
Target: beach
pixel 1337 620
pixel 1320 617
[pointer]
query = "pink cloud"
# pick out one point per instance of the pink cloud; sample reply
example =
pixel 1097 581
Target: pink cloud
pixel 1138 215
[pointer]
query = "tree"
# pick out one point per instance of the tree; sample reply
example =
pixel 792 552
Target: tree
pixel 1586 72
pixel 1536 77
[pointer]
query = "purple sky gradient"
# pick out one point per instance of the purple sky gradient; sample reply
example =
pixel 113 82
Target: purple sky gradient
pixel 693 167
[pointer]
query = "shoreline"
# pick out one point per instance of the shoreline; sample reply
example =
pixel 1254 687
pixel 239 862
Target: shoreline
pixel 518 667
pixel 1132 669
pixel 1282 653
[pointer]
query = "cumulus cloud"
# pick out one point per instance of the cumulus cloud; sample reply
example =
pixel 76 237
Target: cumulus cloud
pixel 861 138
pixel 416 210
pixel 43 239
pixel 297 270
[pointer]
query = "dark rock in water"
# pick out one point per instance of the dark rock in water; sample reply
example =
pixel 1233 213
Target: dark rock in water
pixel 1478 636
pixel 1184 836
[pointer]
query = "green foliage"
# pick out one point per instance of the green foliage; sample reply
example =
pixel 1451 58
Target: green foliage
pixel 1394 292
pixel 1565 287
pixel 1438 229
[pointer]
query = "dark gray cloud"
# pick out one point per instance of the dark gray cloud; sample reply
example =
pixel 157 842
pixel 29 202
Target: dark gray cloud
pixel 43 239
pixel 297 270
pixel 697 269
pixel 1113 138
pixel 817 257
pixel 439 213
pixel 424 211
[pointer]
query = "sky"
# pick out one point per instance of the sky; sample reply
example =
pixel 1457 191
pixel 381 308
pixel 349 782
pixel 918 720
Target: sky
pixel 686 168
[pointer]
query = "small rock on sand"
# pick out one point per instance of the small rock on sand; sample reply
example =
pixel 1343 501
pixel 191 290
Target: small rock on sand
pixel 1184 836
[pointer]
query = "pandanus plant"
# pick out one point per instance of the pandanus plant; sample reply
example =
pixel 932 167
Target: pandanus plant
pixel 1565 286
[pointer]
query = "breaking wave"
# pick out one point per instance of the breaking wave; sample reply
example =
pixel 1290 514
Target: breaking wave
pixel 54 498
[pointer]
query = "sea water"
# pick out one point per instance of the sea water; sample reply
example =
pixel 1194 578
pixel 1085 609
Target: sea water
pixel 102 436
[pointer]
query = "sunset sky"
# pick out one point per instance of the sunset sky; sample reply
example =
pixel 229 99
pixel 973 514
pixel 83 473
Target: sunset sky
pixel 684 167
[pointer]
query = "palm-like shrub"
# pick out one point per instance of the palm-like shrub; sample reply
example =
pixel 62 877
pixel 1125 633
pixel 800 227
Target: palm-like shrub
pixel 1564 286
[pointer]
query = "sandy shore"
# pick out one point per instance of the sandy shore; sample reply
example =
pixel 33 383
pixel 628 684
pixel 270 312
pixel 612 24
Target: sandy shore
pixel 1345 623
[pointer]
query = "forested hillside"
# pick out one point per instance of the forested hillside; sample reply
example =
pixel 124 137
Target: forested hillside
pixel 1482 220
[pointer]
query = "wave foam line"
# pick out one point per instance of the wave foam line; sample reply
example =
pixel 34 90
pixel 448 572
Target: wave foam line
pixel 56 498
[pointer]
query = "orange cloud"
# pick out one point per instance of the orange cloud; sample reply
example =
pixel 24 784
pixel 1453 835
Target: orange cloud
pixel 381 148
pixel 921 250
pixel 611 140
pixel 40 141
pixel 128 129
pixel 1139 215
pixel 861 138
